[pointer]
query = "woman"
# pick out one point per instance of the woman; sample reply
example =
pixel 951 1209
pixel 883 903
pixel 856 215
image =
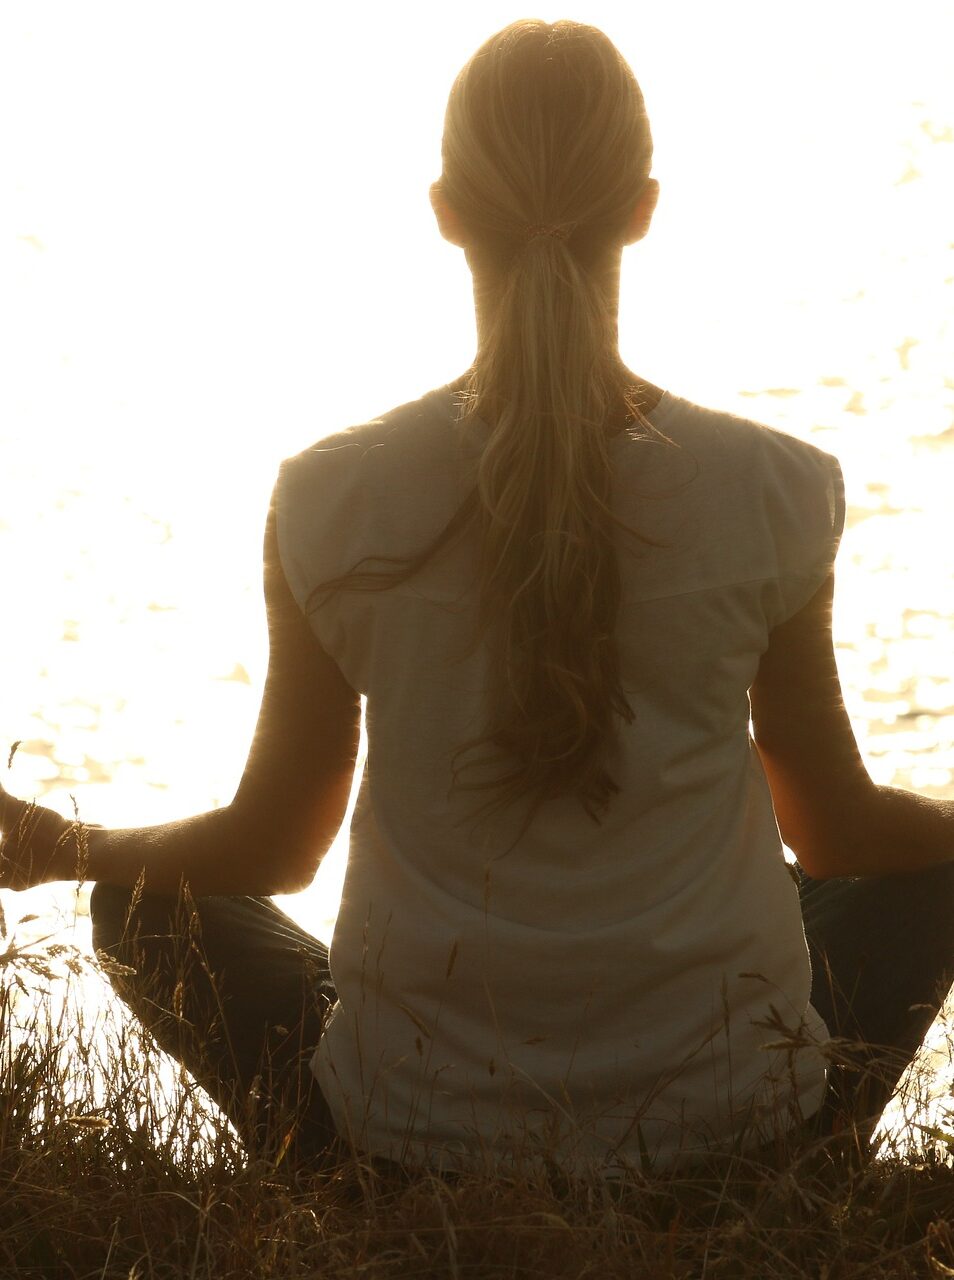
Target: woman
pixel 567 925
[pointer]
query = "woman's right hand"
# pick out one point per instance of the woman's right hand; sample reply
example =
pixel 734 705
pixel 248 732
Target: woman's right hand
pixel 36 845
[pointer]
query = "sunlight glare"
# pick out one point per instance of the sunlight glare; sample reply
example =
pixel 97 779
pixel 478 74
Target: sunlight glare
pixel 219 248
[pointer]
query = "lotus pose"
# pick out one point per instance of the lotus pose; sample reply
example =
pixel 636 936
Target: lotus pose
pixel 591 623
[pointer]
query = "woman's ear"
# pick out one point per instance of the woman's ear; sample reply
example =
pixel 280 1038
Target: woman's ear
pixel 447 219
pixel 643 212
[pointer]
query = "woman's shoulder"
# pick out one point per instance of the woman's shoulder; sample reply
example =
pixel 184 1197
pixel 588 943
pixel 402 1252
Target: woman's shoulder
pixel 725 440
pixel 748 474
pixel 392 469
pixel 397 429
pixel 728 425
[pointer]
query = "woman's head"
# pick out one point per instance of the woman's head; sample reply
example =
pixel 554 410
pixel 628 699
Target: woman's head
pixel 545 124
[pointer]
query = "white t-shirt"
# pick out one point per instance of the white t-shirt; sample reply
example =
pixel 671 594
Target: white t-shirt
pixel 598 990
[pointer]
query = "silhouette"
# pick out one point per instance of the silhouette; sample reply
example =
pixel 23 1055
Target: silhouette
pixel 567 930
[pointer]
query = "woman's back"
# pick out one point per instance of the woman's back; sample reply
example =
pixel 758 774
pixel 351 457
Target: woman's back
pixel 611 962
pixel 591 959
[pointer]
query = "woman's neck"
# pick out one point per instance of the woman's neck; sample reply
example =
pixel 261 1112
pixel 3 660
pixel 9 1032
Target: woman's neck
pixel 647 398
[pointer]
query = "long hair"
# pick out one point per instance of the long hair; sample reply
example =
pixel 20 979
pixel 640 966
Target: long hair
pixel 545 124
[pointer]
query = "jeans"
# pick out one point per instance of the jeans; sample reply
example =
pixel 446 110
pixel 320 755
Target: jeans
pixel 236 991
pixel 882 954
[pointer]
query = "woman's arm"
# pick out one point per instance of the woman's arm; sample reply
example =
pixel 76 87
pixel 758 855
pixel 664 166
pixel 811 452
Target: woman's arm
pixel 831 815
pixel 287 809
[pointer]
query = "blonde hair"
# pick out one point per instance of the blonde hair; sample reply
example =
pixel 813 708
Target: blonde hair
pixel 545 124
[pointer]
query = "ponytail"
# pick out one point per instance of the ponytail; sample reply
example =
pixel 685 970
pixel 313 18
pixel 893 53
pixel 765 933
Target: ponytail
pixel 549 580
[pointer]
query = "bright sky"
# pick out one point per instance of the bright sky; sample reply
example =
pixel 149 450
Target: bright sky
pixel 217 231
pixel 216 245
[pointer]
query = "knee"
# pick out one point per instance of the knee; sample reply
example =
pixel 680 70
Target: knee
pixel 109 911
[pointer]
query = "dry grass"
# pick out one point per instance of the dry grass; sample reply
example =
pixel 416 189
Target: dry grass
pixel 114 1164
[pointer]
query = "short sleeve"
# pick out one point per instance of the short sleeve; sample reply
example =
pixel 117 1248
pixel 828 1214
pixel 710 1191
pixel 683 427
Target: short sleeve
pixel 317 508
pixel 288 546
pixel 809 530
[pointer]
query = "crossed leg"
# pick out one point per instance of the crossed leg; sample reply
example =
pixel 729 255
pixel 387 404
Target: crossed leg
pixel 882 953
pixel 237 992
pixel 234 990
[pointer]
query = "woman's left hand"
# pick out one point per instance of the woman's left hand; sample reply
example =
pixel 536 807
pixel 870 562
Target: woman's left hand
pixel 38 846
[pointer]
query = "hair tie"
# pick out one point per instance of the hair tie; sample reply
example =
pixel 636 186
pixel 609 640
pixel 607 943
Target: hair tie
pixel 537 229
